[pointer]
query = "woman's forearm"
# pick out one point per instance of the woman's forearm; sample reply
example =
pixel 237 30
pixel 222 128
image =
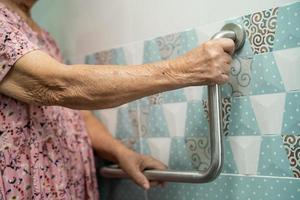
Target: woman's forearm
pixel 102 141
pixel 38 79
pixel 94 87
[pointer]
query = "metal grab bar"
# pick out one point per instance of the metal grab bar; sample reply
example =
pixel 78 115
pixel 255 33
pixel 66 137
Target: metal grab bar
pixel 237 34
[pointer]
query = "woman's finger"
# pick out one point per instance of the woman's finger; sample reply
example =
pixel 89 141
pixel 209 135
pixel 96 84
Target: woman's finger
pixel 151 163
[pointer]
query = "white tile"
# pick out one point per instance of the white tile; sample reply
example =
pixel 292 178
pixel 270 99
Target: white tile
pixel 175 114
pixel 269 111
pixel 194 92
pixel 246 151
pixel 109 119
pixel 134 53
pixel 160 148
pixel 288 62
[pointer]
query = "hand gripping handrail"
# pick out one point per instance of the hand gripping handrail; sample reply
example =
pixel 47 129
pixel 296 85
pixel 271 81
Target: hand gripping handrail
pixel 237 34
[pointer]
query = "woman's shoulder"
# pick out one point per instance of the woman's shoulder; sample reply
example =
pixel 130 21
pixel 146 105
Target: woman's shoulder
pixel 10 24
pixel 7 15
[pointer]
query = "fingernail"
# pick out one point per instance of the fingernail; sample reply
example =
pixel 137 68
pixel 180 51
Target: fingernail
pixel 146 186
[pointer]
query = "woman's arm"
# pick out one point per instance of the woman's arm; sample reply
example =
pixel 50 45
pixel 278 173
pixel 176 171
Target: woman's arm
pixel 111 149
pixel 36 78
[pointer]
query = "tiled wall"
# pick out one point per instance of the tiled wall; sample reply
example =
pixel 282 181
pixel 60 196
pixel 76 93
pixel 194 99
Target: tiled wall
pixel 261 113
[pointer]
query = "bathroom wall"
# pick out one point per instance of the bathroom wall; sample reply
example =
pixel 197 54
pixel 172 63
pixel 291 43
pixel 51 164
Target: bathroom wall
pixel 260 106
pixel 84 27
pixel 261 116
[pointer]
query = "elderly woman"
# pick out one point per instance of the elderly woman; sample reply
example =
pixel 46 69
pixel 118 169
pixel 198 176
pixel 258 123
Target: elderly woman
pixel 46 146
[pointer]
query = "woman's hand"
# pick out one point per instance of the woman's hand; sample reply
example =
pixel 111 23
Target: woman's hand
pixel 134 164
pixel 207 64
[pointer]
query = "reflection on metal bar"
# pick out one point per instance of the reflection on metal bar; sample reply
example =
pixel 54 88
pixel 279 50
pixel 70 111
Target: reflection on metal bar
pixel 237 34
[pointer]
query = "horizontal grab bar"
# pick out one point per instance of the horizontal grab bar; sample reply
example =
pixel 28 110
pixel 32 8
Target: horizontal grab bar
pixel 237 34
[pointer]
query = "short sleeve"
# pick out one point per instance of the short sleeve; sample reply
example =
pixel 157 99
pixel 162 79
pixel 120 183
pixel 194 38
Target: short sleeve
pixel 14 43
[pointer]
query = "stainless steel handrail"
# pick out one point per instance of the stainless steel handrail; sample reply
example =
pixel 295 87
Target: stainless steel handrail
pixel 237 34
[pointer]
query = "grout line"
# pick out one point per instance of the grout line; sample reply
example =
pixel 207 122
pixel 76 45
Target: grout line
pixel 258 176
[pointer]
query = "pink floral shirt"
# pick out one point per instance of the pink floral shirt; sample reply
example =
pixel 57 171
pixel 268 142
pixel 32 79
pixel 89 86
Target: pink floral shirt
pixel 45 152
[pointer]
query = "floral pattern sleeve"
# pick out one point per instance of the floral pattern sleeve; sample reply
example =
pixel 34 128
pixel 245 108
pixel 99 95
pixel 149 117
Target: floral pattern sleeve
pixel 14 43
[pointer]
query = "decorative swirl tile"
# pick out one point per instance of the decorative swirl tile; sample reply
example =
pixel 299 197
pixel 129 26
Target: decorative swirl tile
pixel 226 110
pixel 292 146
pixel 260 28
pixel 112 56
pixel 198 149
pixel 169 46
pixel 240 77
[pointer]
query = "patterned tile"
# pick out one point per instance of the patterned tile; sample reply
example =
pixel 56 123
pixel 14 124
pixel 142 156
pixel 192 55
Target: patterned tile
pixel 260 28
pixel 170 46
pixel 173 45
pixel 199 152
pixel 239 79
pixel 288 30
pixel 113 56
pixel 292 146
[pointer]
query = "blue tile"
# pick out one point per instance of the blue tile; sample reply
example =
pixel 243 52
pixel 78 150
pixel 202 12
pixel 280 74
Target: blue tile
pixel 291 117
pixel 189 40
pixel 228 187
pixel 229 163
pixel 196 123
pixel 288 27
pixel 151 52
pixel 266 78
pixel 124 190
pixel 243 120
pixel 126 123
pixel 273 159
pixel 173 96
pixel 179 158
pixel 153 122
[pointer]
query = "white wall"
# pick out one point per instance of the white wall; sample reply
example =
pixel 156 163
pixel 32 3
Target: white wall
pixel 87 26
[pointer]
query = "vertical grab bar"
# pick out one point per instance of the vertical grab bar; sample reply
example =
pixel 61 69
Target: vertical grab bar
pixel 237 34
